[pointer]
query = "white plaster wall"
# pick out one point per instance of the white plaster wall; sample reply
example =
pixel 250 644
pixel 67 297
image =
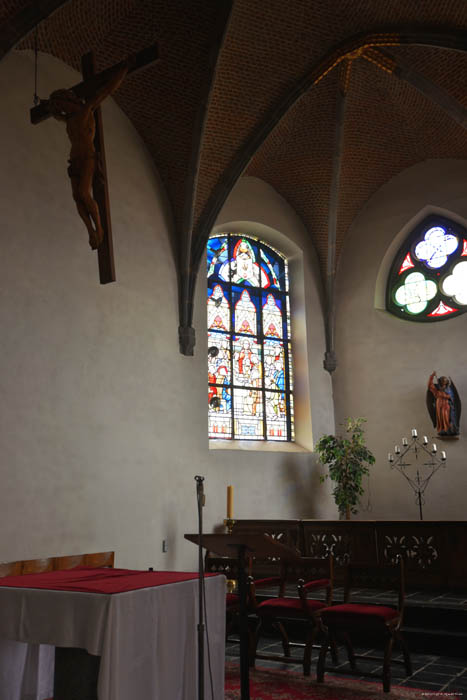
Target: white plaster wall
pixel 384 362
pixel 103 423
pixel 283 484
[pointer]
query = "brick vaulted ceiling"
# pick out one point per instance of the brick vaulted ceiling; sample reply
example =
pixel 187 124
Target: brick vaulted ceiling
pixel 224 67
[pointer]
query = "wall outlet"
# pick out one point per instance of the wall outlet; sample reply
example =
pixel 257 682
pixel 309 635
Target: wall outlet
pixel 165 546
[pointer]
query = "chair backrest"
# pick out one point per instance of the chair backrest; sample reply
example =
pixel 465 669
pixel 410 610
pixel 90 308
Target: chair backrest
pixel 36 566
pixel 308 569
pixel 381 578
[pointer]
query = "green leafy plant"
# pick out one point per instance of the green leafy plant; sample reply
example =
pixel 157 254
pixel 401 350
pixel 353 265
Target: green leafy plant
pixel 347 459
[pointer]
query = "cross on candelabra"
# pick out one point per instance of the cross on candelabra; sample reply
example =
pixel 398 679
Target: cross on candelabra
pixel 419 449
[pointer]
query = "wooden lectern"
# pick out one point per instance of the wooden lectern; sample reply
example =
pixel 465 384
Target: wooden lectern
pixel 241 545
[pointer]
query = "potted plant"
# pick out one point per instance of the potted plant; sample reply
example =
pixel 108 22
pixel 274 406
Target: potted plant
pixel 348 459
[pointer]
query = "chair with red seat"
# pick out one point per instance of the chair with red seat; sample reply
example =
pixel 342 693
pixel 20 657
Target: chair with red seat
pixel 309 575
pixel 342 622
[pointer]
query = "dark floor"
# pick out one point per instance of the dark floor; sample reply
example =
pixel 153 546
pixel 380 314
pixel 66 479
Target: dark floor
pixel 439 674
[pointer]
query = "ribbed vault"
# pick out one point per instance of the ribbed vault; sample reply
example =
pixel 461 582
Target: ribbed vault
pixel 229 96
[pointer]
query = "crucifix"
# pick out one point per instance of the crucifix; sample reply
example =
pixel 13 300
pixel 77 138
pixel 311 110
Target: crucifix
pixel 79 107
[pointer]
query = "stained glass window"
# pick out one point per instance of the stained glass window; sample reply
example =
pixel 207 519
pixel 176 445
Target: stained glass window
pixel 428 278
pixel 249 351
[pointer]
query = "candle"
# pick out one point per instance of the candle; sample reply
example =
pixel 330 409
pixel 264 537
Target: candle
pixel 230 502
pixel 425 440
pixel 397 450
pixel 414 432
pixel 433 448
pixel 404 442
pixel 443 455
pixel 390 457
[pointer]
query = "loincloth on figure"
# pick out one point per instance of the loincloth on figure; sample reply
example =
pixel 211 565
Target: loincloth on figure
pixel 77 165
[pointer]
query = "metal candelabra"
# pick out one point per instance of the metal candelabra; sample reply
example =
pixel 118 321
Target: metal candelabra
pixel 420 451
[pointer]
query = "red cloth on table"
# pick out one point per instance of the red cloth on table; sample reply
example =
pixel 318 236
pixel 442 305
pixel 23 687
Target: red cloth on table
pixel 97 580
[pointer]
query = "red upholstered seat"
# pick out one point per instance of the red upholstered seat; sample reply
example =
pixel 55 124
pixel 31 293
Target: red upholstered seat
pixel 354 613
pixel 288 607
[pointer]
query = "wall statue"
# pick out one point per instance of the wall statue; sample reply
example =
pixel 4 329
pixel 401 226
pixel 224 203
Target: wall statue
pixel 443 405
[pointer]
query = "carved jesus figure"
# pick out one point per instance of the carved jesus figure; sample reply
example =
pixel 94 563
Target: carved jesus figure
pixel 78 114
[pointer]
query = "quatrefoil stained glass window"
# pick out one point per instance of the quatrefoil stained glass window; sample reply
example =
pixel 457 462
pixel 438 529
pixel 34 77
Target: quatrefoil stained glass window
pixel 428 279
pixel 249 352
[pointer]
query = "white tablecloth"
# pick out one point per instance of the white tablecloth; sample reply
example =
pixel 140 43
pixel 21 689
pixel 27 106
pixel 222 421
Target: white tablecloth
pixel 147 640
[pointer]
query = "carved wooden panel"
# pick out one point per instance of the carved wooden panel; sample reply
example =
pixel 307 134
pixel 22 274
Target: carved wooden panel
pixel 434 551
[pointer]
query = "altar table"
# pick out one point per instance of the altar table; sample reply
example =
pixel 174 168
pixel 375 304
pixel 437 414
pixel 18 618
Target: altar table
pixel 144 630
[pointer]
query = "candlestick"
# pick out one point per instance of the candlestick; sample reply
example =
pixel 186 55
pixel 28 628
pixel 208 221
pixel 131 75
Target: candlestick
pixel 229 524
pixel 417 465
pixel 230 502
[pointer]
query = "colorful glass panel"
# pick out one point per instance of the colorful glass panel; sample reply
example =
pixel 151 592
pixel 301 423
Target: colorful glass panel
pixel 272 316
pixel 455 284
pixel 219 358
pixel 245 312
pixel 436 247
pixel 442 309
pixel 217 255
pixel 428 278
pixel 291 415
pixel 274 267
pixel 407 264
pixel 249 353
pixel 274 366
pixel 242 266
pixel 220 413
pixel 218 309
pixel 415 293
pixel 247 363
pixel 276 416
pixel 248 414
pixel 290 368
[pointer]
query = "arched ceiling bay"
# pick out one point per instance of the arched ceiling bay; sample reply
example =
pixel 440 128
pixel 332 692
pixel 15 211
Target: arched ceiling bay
pixel 229 96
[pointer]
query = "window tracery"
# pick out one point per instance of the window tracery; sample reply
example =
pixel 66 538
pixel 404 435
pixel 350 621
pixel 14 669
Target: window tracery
pixel 428 278
pixel 249 351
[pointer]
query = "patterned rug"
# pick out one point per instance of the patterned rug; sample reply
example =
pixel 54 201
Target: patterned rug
pixel 267 684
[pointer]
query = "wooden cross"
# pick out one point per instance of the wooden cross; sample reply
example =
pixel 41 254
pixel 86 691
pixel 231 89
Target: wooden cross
pixel 90 85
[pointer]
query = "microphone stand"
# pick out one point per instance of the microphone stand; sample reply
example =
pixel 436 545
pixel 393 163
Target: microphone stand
pixel 200 498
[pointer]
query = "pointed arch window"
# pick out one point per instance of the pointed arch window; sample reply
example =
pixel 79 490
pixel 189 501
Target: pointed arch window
pixel 428 278
pixel 250 392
